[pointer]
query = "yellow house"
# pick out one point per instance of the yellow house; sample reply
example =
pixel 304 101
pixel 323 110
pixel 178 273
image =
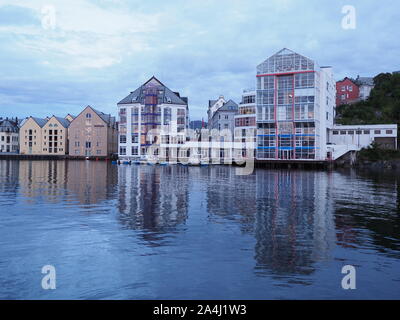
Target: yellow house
pixel 55 136
pixel 30 135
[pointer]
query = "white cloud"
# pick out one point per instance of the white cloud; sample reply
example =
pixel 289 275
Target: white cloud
pixel 86 36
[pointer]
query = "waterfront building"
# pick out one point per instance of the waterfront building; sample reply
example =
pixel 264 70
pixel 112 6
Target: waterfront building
pixel 152 123
pixel 221 114
pixel 347 91
pixel 93 133
pixel 9 135
pixel 55 136
pixel 245 124
pixel 30 136
pixel 361 136
pixel 295 101
pixel 221 126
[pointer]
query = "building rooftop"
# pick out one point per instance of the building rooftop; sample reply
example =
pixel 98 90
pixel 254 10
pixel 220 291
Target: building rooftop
pixel 369 81
pixel 64 122
pixel 40 121
pixel 9 125
pixel 164 94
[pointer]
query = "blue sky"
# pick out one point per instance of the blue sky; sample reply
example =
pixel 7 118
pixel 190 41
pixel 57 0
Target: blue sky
pixel 100 50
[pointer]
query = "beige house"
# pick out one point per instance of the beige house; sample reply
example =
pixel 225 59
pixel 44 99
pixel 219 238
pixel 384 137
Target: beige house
pixel 93 134
pixel 55 136
pixel 30 136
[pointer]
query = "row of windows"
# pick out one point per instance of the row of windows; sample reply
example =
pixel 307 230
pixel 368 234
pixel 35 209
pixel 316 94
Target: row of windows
pixel 297 153
pixel 247 121
pixel 301 112
pixel 247 110
pixel 248 99
pixel 343 132
pixel 88 144
pixel 77 151
pixel 53 150
pixel 13 139
pixel 349 88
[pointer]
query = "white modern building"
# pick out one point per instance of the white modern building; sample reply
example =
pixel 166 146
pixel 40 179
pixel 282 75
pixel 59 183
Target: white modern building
pixel 152 123
pixel 295 101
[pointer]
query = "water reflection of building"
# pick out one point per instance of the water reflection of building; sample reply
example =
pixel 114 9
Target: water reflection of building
pixel 91 181
pixel 153 197
pixel 294 221
pixel 42 179
pixel 231 196
pixel 9 179
pixel 87 182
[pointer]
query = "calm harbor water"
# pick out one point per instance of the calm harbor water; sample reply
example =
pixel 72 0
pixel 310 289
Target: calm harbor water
pixel 175 232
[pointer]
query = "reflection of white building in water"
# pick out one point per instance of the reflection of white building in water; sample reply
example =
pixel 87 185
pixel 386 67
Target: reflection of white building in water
pixel 294 222
pixel 152 197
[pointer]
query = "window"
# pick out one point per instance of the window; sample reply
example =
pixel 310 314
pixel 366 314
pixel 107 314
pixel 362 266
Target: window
pixel 135 151
pixel 350 132
pixel 377 131
pixel 122 151
pixel 335 132
pixel 342 132
pixel 76 143
pixel 98 151
pixel 366 131
pixel 88 144
pixel 88 115
pixel 122 139
pixel 389 131
pixel 350 88
pixel 358 132
pixel 135 138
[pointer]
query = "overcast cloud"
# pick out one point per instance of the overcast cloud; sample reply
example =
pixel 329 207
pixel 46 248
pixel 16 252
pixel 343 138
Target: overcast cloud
pixel 100 50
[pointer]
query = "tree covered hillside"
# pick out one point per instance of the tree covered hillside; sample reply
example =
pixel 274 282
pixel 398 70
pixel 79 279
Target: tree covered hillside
pixel 383 105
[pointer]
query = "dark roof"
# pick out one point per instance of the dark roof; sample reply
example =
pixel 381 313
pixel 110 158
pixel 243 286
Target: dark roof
pixel 41 122
pixel 64 122
pixel 7 125
pixel 230 105
pixel 166 96
pixel 347 78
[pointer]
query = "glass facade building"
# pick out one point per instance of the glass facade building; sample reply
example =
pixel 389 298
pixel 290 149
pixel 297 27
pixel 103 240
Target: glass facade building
pixel 295 106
